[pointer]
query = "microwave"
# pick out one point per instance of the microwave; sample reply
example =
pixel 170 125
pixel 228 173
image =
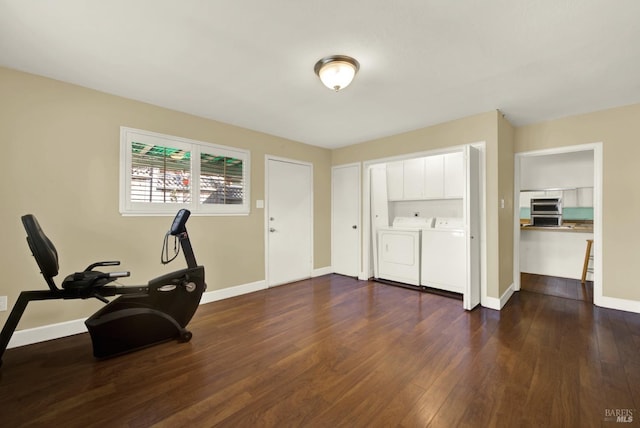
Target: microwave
pixel 552 206
pixel 546 220
pixel 546 212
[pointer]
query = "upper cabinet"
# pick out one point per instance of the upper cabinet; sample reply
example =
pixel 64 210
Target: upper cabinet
pixel 454 175
pixel 577 198
pixel 557 171
pixel 395 181
pixel 413 182
pixel 432 177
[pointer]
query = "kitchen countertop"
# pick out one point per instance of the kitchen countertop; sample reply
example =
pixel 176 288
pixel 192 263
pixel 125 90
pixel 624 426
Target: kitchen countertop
pixel 567 226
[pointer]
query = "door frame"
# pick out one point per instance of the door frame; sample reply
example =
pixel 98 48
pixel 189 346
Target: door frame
pixel 268 158
pixel 367 264
pixel 359 214
pixel 597 211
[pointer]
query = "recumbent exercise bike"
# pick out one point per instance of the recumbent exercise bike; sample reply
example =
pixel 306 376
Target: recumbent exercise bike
pixel 140 317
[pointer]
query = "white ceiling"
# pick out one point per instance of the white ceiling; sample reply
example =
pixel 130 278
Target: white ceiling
pixel 422 62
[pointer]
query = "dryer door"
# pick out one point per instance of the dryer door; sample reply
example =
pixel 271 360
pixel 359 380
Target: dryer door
pixel 399 255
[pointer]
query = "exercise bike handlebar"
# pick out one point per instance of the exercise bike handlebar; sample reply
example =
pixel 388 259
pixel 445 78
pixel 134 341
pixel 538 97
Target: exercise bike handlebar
pixel 122 274
pixel 96 264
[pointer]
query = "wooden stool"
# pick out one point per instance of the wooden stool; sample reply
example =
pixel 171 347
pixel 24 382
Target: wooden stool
pixel 587 258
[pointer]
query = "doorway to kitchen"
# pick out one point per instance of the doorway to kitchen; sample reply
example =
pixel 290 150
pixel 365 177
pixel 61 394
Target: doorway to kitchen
pixel 555 257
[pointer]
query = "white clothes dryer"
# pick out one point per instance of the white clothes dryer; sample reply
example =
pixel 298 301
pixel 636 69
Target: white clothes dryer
pixel 399 249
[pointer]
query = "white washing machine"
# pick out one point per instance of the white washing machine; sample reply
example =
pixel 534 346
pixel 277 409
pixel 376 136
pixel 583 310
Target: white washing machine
pixel 399 249
pixel 444 255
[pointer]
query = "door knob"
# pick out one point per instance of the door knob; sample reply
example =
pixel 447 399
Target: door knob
pixel 354 226
pixel 271 229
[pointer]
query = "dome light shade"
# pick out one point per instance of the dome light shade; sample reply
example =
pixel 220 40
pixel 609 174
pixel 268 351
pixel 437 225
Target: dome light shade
pixel 336 72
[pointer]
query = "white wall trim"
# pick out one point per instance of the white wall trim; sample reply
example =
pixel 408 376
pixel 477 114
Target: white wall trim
pixel 498 304
pixel 507 295
pixel 491 303
pixel 619 304
pixel 322 271
pixel 46 332
pixel 227 293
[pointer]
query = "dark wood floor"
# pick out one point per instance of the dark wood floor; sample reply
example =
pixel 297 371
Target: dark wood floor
pixel 559 287
pixel 336 352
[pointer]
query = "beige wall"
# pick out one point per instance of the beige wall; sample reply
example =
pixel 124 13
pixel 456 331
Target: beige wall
pixel 618 130
pixel 60 144
pixel 477 128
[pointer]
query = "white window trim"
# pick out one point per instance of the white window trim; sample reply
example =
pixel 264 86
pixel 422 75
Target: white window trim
pixel 128 208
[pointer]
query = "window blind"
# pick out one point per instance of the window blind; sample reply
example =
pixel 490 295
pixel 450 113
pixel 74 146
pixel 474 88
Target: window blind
pixel 160 174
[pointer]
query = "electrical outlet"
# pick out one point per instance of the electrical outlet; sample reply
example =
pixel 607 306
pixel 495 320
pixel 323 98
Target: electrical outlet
pixel 3 303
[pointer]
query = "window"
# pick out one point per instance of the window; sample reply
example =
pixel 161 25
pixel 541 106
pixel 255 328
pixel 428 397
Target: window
pixel 161 174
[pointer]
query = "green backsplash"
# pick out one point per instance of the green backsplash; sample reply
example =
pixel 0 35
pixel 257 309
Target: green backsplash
pixel 573 213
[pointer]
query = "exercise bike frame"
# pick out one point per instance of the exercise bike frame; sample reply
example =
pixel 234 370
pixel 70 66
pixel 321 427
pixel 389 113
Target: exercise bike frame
pixel 136 293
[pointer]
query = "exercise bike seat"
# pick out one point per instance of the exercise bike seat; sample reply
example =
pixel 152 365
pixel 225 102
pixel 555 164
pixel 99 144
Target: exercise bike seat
pixel 42 249
pixel 86 281
pixel 83 284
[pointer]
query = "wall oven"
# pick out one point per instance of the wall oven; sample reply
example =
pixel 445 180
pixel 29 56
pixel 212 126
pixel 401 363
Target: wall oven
pixel 546 211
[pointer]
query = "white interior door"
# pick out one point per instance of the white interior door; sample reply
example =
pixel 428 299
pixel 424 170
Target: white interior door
pixel 471 295
pixel 379 210
pixel 345 219
pixel 289 221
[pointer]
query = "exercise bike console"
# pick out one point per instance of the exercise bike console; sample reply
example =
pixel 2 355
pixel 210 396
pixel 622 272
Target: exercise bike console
pixel 179 222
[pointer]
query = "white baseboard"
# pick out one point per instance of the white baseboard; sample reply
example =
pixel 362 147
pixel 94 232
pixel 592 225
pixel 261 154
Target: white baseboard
pixel 498 304
pixel 619 304
pixel 226 293
pixel 46 332
pixel 322 271
pixel 491 303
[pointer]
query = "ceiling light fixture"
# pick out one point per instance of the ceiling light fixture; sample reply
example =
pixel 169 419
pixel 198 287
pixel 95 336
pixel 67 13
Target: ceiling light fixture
pixel 337 71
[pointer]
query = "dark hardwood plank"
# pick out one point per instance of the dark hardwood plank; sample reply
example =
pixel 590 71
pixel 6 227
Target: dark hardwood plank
pixel 337 352
pixel 555 286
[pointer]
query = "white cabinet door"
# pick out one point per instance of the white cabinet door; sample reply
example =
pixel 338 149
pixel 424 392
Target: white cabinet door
pixel 585 197
pixel 471 296
pixel 434 177
pixel 413 182
pixel 525 199
pixel 569 198
pixel 395 181
pixel 379 210
pixel 454 175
